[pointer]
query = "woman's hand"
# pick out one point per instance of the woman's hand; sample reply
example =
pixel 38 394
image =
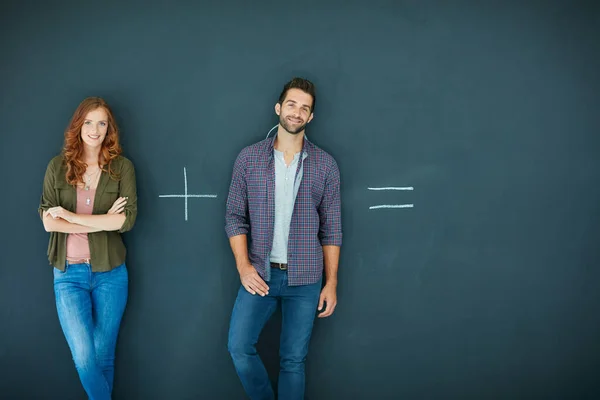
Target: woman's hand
pixel 59 212
pixel 118 206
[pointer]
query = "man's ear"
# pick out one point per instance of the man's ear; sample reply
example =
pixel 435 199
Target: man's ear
pixel 278 109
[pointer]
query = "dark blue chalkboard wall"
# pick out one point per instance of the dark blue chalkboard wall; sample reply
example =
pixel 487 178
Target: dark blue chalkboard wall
pixel 482 282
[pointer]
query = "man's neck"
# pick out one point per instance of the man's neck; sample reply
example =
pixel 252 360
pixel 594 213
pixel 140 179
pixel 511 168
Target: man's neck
pixel 288 143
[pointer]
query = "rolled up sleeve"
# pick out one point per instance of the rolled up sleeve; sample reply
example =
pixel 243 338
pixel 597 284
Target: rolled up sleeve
pixel 48 198
pixel 128 188
pixel 236 213
pixel 330 214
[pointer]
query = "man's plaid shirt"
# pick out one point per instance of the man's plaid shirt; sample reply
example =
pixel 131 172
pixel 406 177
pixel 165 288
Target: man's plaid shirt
pixel 316 219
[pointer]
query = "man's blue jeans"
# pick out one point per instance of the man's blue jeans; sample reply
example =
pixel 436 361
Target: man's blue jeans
pixel 250 314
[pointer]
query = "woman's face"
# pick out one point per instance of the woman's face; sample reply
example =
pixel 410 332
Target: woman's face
pixel 94 128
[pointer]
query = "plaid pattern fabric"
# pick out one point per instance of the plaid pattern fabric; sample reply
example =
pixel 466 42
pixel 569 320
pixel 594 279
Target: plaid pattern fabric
pixel 316 219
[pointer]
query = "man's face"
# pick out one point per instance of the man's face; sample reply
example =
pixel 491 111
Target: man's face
pixel 295 111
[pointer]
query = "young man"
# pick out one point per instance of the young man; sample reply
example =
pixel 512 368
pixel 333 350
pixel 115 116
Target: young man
pixel 284 195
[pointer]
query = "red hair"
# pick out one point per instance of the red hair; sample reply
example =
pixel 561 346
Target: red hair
pixel 73 147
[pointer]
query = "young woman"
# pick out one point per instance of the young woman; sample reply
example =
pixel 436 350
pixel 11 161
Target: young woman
pixel 89 198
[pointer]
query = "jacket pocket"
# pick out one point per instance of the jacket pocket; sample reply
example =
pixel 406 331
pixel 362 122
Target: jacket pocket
pixel 109 196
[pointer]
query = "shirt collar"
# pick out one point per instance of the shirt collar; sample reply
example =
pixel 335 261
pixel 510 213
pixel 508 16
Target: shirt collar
pixel 305 145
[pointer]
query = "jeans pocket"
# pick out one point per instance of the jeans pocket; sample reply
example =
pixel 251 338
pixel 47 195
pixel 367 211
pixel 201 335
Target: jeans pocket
pixel 119 273
pixel 59 272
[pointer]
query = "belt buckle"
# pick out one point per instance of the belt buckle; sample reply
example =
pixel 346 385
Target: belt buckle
pixel 281 266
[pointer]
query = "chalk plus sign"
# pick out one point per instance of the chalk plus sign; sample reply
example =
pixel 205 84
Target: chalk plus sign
pixel 185 194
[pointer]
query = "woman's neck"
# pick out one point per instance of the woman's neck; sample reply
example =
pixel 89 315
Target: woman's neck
pixel 91 156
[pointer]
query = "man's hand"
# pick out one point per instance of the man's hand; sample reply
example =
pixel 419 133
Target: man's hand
pixel 329 296
pixel 252 281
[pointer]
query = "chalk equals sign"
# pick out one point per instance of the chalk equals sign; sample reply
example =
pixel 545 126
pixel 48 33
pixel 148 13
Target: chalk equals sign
pixel 380 206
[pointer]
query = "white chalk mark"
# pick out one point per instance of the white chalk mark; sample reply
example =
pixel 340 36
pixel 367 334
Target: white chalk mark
pixel 185 190
pixel 185 194
pixel 212 196
pixel 391 206
pixel 392 188
pixel 383 206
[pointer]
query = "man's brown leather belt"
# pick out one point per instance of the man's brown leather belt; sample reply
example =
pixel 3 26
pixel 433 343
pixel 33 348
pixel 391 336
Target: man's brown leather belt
pixel 280 266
